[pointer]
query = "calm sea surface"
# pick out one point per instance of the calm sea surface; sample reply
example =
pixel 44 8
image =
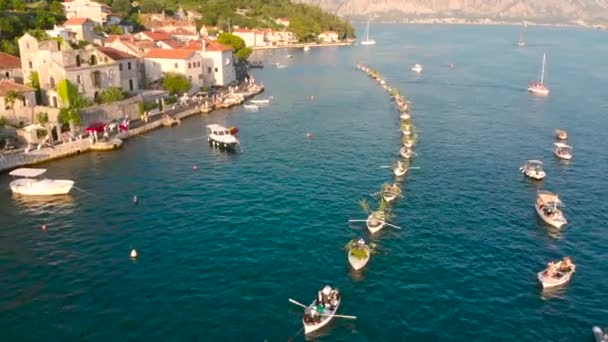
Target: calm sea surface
pixel 222 248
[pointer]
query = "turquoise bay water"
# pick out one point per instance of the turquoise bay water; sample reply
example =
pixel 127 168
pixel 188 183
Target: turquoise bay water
pixel 222 248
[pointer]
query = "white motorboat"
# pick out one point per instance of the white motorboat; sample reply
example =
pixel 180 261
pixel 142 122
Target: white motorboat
pixel 556 274
pixel 406 153
pixel 562 150
pixel 561 134
pixel 260 101
pixel 400 169
pixel 222 137
pixel 368 41
pixel 31 185
pixel 417 68
pixel 533 169
pixel 601 335
pixel 281 66
pixel 391 192
pixel 306 48
pixel 359 254
pixel 539 87
pixel 321 311
pixel 375 221
pixel 548 208
pixel 521 42
pixel 251 107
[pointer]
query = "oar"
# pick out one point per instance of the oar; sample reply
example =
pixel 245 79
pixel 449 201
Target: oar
pixel 385 166
pixel 341 316
pixel 392 225
pixel 297 303
pixel 415 168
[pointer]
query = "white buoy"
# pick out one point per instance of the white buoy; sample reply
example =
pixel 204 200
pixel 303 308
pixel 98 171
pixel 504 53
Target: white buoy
pixel 133 253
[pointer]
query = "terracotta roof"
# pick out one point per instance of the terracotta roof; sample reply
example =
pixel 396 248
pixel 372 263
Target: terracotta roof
pixel 211 45
pixel 157 35
pixel 183 32
pixel 125 37
pixel 145 44
pixel 115 54
pixel 75 21
pixel 9 61
pixel 6 86
pixel 174 44
pixel 170 54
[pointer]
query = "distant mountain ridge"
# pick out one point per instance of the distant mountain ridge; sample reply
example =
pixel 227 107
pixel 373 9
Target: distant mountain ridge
pixel 544 11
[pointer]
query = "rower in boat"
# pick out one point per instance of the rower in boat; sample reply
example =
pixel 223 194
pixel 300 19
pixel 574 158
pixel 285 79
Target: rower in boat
pixel 400 169
pixel 321 310
pixel 391 192
pixel 405 152
pixel 557 274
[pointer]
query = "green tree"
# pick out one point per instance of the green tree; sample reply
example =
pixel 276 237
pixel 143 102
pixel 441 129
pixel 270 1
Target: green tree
pixel 151 6
pixel 237 43
pixel 121 6
pixel 3 121
pixel 39 34
pixel 114 29
pixel 176 83
pixel 11 97
pixel 56 8
pixel 42 118
pixel 18 5
pixel 111 94
pixel 68 93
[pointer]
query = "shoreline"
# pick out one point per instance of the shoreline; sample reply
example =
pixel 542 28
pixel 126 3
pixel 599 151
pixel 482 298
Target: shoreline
pixel 64 150
pixel 302 45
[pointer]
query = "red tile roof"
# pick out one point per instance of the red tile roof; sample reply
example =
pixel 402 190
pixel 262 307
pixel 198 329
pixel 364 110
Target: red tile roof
pixel 124 37
pixel 6 86
pixel 115 54
pixel 144 44
pixel 170 54
pixel 9 61
pixel 183 32
pixel 174 44
pixel 157 35
pixel 75 21
pixel 210 45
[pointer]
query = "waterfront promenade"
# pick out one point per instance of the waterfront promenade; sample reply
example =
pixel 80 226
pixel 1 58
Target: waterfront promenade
pixel 22 158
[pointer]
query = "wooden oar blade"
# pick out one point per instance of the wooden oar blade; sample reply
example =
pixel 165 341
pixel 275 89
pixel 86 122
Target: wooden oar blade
pixel 297 303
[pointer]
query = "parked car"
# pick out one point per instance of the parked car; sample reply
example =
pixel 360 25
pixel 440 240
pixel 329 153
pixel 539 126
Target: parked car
pixel 97 126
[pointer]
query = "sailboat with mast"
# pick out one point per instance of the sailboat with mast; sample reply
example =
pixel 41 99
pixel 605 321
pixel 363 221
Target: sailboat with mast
pixel 539 87
pixel 521 42
pixel 368 41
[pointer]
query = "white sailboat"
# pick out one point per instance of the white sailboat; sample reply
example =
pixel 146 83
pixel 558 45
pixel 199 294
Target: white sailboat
pixel 539 86
pixel 368 41
pixel 521 42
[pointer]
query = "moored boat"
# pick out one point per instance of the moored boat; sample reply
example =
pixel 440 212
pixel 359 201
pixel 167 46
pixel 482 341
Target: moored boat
pixel 538 87
pixel 359 254
pixel 601 335
pixel 417 68
pixel 375 221
pixel 405 116
pixel 548 208
pixel 561 134
pixel 31 185
pixel 222 137
pixel 557 274
pixel 261 101
pixel 533 169
pixel 321 311
pixel 400 169
pixel 251 107
pixel 562 150
pixel 368 41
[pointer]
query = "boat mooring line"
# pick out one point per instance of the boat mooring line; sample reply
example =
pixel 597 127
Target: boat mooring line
pixel 86 192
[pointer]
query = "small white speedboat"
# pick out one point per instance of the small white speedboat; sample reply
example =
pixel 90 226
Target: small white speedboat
pixel 406 153
pixel 281 66
pixel 327 301
pixel 359 254
pixel 561 134
pixel 260 101
pixel 417 68
pixel 400 169
pixel 601 335
pixel 251 107
pixel 375 221
pixel 533 169
pixel 31 185
pixel 556 277
pixel 548 208
pixel 562 150
pixel 222 137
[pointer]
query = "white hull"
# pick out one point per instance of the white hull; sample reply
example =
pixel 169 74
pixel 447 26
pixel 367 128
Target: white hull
pixel 538 91
pixel 534 175
pixel 417 68
pixel 357 263
pixel 548 282
pixel 563 156
pixel 260 101
pixel 308 328
pixel 405 116
pixel 550 221
pixel 406 133
pixel 368 42
pixel 405 153
pixel 45 187
pixel 389 197
pixel 251 107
